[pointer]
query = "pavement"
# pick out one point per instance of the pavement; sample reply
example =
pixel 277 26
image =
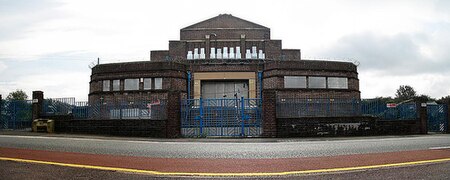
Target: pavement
pixel 252 157
pixel 27 132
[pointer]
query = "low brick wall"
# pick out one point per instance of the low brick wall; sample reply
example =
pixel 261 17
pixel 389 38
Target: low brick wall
pixel 344 126
pixel 124 127
pixel 398 127
pixel 325 126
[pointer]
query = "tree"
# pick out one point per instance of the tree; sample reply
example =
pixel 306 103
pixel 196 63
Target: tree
pixel 444 100
pixel 385 99
pixel 423 99
pixel 405 92
pixel 17 95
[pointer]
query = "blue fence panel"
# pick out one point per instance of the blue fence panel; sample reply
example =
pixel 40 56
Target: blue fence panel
pixel 373 107
pixel 138 109
pixel 437 118
pixel 58 106
pixel 378 108
pixel 80 110
pixel 319 107
pixel 15 114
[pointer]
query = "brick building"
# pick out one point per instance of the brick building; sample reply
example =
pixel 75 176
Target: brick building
pixel 222 60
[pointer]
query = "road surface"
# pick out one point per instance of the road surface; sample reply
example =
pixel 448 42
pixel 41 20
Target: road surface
pixel 292 148
pixel 66 156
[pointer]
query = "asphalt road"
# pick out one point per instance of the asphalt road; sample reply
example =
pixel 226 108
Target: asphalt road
pixel 16 170
pixel 292 148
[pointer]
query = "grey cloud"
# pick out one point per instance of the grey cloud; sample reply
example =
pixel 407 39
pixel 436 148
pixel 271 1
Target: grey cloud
pixel 18 16
pixel 398 54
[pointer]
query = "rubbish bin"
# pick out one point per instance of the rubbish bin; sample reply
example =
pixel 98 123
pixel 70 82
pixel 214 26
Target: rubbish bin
pixel 43 125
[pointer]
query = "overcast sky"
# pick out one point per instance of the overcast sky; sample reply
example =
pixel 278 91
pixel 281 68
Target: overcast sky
pixel 47 45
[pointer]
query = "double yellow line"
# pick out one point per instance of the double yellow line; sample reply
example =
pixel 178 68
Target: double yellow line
pixel 226 174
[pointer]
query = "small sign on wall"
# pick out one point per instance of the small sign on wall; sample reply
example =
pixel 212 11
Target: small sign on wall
pixel 35 100
pixel 391 105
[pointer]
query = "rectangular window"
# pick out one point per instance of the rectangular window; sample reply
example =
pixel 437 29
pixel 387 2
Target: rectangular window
pixel 317 82
pixel 106 85
pixel 337 83
pixel 158 83
pixel 131 84
pixel 147 83
pixel 116 85
pixel 294 81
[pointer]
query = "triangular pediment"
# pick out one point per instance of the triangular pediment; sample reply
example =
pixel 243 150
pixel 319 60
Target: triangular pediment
pixel 224 21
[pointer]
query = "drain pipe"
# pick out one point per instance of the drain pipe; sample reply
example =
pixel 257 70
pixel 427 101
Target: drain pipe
pixel 189 84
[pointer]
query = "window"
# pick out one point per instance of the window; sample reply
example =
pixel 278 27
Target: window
pixel 317 82
pixel 147 83
pixel 116 85
pixel 106 85
pixel 131 84
pixel 294 81
pixel 158 83
pixel 337 83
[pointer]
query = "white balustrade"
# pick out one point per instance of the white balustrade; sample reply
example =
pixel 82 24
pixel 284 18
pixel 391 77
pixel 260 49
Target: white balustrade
pixel 212 54
pixel 189 55
pixel 196 55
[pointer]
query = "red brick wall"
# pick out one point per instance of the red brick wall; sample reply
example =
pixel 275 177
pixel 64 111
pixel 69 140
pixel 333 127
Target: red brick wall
pixel 159 55
pixel 225 34
pixel 274 73
pixel 269 123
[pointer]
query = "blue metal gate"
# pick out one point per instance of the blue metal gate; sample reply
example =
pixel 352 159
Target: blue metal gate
pixel 437 118
pixel 221 117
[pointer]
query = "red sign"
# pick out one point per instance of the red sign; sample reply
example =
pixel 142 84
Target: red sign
pixel 391 105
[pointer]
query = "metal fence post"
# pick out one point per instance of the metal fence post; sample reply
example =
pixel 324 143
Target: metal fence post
pixel 242 117
pixel 1 111
pixel 189 76
pixel 260 79
pixel 15 115
pixel 201 117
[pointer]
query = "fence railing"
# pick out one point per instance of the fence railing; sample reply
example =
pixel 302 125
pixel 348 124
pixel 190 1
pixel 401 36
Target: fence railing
pixel 15 114
pixel 141 109
pixel 378 108
pixel 320 107
pixel 58 106
pixel 115 109
pixel 298 107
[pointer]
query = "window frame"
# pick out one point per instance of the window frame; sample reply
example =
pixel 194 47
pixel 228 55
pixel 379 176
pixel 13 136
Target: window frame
pixel 150 84
pixel 338 83
pixel 295 79
pixel 158 83
pixel 118 85
pixel 125 86
pixel 108 84
pixel 318 77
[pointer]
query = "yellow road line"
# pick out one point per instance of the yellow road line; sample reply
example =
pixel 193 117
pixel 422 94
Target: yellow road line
pixel 226 174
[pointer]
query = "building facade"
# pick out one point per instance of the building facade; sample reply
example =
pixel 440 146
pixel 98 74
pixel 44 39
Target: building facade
pixel 223 58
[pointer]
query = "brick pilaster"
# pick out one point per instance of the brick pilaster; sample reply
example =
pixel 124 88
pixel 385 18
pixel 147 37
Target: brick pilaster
pixel 38 100
pixel 269 124
pixel 173 125
pixel 448 117
pixel 423 117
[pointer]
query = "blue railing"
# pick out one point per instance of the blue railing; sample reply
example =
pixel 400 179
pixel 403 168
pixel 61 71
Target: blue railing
pixel 378 108
pixel 321 107
pixel 137 109
pixel 15 114
pixel 58 106
pixel 302 107
pixel 437 117
pixel 114 109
